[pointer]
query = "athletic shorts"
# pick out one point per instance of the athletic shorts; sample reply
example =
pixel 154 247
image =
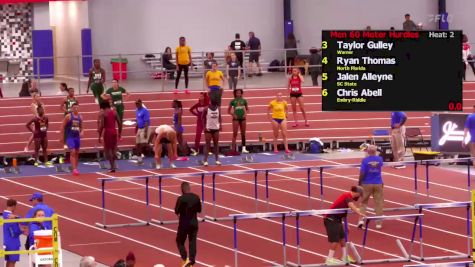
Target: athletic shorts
pixel 73 143
pixel 240 120
pixel 279 121
pixel 254 57
pixel 139 139
pixel 211 131
pixel 334 227
pixel 41 142
pixel 164 140
pixel 296 95
pixel 110 140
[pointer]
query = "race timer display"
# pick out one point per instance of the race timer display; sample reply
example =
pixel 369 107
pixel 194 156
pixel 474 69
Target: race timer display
pixel 392 70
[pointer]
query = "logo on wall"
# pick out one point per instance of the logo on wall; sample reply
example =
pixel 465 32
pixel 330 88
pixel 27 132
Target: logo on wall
pixel 450 132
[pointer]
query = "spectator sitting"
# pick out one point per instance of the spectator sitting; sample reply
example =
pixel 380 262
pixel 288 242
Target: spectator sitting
pixel 392 29
pixel 25 89
pixel 167 64
pixel 208 64
pixel 130 260
pixel 36 226
pixel 291 51
pixel 368 28
pixel 315 59
pixel 408 25
pixel 87 261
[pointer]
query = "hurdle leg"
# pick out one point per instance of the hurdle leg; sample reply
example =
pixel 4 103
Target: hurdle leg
pixel 267 190
pixel 364 240
pixel 160 211
pixel 255 191
pixel 469 248
pixel 321 187
pixel 203 195
pixel 309 171
pixel 235 242
pixel 284 241
pixel 103 196
pixel 147 201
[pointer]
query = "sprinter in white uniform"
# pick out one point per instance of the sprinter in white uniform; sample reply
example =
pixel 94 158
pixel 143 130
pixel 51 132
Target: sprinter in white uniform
pixel 212 123
pixel 165 134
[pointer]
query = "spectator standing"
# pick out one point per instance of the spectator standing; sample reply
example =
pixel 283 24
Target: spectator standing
pixel 208 63
pixel 233 71
pixel 467 56
pixel 291 51
pixel 254 44
pixel 184 61
pixel 142 128
pixel 25 89
pixel 315 59
pixel 238 46
pixel 408 24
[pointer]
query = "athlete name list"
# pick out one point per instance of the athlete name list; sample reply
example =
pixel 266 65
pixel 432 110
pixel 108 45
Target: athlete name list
pixel 362 68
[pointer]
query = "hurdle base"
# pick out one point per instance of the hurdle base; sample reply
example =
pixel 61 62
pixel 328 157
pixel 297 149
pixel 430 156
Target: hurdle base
pixel 173 221
pixel 104 226
pixel 384 261
pixel 292 264
pixel 216 219
pixel 437 258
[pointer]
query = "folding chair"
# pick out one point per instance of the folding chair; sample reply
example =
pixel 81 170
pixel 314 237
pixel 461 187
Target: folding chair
pixel 414 138
pixel 382 139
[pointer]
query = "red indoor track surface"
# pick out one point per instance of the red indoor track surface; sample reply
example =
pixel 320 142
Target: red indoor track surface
pixel 78 201
pixel 328 126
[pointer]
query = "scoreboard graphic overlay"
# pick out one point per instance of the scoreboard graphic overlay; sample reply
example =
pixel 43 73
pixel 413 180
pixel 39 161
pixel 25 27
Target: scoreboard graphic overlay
pixel 392 70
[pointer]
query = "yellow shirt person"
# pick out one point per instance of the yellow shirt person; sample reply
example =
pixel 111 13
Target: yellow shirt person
pixel 279 109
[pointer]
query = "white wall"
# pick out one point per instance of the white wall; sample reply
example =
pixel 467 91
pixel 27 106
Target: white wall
pixel 41 19
pixel 153 25
pixel 461 17
pixel 67 20
pixel 312 16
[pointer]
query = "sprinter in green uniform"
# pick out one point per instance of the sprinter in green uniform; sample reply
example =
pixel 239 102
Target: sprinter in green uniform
pixel 97 78
pixel 238 109
pixel 117 95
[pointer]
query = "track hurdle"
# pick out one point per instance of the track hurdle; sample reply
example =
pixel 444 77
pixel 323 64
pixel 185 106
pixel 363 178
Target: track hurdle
pixel 103 181
pixel 444 264
pixel 298 214
pixel 422 207
pixel 283 216
pixel 406 256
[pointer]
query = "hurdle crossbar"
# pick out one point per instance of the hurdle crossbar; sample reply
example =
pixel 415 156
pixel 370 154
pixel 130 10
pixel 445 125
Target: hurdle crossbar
pixel 283 216
pixel 406 255
pixel 145 222
pixel 430 206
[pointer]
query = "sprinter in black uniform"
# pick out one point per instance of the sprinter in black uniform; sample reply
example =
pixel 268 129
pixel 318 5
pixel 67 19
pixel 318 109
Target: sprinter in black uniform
pixel 187 206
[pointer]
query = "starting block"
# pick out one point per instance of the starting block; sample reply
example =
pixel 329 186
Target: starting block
pixel 12 170
pixel 63 168
pixel 247 159
pixel 288 156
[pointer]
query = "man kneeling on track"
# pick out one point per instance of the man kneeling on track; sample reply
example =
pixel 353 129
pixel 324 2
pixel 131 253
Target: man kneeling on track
pixel 334 226
pixel 166 135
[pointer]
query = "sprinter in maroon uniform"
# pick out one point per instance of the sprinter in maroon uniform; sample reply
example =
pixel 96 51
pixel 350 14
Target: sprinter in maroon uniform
pixel 40 137
pixel 107 121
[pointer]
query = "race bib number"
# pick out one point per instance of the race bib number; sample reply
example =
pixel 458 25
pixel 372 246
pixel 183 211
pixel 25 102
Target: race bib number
pixel 75 126
pixel 295 89
pixel 43 129
pixel 118 102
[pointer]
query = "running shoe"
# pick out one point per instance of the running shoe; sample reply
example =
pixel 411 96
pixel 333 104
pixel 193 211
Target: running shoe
pixel 175 91
pixel 118 154
pixel 36 164
pixel 187 92
pixel 333 261
pixel 276 151
pixel 244 150
pixel 158 167
pixel 218 163
pixel 400 167
pixel 185 263
pixel 349 259
pixel 205 163
pixel 193 152
pixel 75 172
pixel 48 164
pixel 26 149
pixel 360 224
pixel 288 151
pixel 295 124
pixel 173 166
pixel 65 146
pixel 307 124
pixel 379 226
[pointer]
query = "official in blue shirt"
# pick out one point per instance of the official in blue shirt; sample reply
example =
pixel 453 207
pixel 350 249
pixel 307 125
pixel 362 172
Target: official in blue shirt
pixel 398 131
pixel 372 183
pixel 11 233
pixel 37 200
pixel 470 128
pixel 142 128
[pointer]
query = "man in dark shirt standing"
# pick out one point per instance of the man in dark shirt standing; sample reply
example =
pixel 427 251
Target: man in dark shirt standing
pixel 408 24
pixel 187 206
pixel 254 44
pixel 238 46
